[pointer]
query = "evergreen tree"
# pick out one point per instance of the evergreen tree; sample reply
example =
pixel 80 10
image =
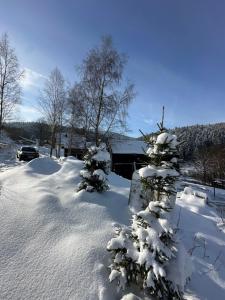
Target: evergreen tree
pixel 142 252
pixel 97 166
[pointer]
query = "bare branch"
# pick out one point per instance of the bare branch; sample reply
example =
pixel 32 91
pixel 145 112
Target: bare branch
pixel 101 78
pixel 53 104
pixel 10 75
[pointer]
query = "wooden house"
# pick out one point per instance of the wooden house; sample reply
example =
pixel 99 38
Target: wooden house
pixel 127 156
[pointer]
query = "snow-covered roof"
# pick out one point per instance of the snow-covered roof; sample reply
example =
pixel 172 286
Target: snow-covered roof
pixel 78 141
pixel 128 146
pixel 118 145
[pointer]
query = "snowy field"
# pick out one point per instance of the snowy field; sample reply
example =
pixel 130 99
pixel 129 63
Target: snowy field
pixel 205 242
pixel 53 240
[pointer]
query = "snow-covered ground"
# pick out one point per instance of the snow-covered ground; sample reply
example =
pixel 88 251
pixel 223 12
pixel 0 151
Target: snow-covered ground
pixel 8 150
pixel 205 242
pixel 53 240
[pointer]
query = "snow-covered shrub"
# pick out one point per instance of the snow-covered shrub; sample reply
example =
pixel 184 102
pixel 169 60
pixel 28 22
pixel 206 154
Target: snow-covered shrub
pixel 143 252
pixel 97 166
pixel 130 296
pixel 188 191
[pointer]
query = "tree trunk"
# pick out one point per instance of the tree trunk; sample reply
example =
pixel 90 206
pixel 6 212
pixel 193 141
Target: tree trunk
pixel 52 140
pixel 1 117
pixel 97 141
pixel 70 141
pixel 1 111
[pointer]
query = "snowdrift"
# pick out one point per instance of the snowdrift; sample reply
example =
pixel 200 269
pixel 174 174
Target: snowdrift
pixel 44 166
pixel 53 240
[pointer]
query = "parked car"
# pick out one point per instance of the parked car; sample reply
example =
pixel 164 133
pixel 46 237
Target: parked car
pixel 27 153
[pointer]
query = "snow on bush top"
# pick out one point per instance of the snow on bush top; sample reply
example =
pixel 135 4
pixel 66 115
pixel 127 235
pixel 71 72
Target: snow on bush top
pixel 130 296
pixel 102 154
pixel 164 144
pixel 166 137
pixel 152 170
pixel 100 174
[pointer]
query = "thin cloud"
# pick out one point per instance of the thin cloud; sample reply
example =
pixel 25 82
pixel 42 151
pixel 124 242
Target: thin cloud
pixel 148 121
pixel 28 113
pixel 32 79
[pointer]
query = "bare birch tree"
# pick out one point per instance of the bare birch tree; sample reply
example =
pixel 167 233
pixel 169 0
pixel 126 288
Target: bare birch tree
pixel 106 96
pixel 52 105
pixel 79 113
pixel 10 76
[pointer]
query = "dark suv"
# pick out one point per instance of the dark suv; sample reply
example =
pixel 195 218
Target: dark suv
pixel 27 153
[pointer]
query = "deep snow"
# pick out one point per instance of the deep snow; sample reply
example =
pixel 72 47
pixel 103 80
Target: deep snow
pixel 53 240
pixel 205 243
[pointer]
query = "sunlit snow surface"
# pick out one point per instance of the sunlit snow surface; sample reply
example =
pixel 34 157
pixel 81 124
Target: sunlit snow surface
pixel 53 240
pixel 204 241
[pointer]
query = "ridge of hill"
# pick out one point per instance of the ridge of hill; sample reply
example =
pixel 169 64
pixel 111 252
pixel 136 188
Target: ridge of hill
pixel 195 137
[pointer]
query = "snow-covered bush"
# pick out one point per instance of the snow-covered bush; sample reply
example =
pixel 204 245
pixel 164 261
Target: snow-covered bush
pixel 97 166
pixel 130 296
pixel 188 191
pixel 143 252
pixel 159 176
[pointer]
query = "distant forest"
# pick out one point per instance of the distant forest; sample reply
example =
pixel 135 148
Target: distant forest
pixel 198 137
pixel 194 138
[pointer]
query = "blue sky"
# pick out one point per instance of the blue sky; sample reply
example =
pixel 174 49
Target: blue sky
pixel 176 52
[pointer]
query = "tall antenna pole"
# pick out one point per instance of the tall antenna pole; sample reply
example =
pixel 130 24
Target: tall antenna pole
pixel 160 124
pixel 163 112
